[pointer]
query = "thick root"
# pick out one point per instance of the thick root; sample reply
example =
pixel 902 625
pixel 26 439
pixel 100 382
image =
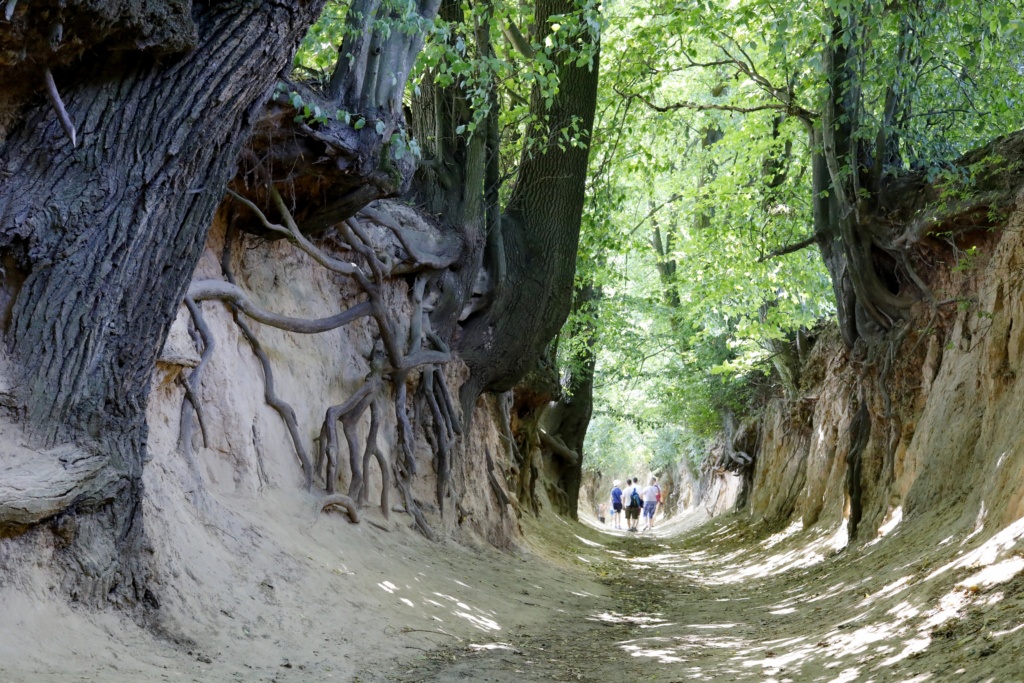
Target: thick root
pixel 340 500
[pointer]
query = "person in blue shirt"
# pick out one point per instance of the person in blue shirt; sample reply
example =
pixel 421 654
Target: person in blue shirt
pixel 617 505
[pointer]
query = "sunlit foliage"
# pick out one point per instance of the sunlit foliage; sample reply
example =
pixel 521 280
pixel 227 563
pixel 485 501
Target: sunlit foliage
pixel 701 170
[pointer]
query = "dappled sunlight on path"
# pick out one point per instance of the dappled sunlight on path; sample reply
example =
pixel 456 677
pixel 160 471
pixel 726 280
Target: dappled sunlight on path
pixel 719 602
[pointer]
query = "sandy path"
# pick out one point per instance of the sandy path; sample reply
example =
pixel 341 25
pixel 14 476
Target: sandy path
pixel 716 604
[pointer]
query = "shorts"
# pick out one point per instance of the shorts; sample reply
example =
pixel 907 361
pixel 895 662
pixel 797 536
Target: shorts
pixel 617 507
pixel 633 513
pixel 649 508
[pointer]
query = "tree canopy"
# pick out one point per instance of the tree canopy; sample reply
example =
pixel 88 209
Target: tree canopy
pixel 739 154
pixel 733 140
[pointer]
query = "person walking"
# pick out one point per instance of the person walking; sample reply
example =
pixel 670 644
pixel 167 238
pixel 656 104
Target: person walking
pixel 651 496
pixel 617 504
pixel 633 504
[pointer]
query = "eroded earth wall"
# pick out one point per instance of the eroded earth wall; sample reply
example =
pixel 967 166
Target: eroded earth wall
pixel 944 448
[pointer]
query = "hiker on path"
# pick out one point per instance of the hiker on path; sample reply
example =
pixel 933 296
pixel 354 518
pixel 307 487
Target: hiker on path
pixel 652 497
pixel 633 503
pixel 617 504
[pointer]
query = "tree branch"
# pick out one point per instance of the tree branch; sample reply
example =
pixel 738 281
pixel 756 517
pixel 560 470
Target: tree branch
pixel 695 106
pixel 517 39
pixel 789 248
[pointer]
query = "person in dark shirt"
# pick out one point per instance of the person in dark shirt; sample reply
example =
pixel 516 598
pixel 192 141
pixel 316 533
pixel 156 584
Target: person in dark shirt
pixel 632 511
pixel 617 505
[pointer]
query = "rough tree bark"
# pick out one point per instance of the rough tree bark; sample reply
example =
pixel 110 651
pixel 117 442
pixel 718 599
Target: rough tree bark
pixel 563 426
pixel 540 235
pixel 106 237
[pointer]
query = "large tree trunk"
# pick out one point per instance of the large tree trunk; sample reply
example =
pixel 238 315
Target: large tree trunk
pixel 564 422
pixel 107 236
pixel 866 306
pixel 540 235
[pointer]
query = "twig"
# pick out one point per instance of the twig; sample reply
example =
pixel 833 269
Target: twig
pixel 51 91
pixel 406 629
pixel 789 248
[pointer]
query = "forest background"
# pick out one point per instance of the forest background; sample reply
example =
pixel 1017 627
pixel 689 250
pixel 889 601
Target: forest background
pixel 704 263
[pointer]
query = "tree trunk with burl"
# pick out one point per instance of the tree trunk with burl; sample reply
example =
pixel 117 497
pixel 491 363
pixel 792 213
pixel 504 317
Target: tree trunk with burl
pixel 111 184
pixel 110 187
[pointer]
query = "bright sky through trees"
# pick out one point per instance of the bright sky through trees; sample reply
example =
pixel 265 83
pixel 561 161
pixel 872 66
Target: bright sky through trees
pixel 702 175
pixel 735 142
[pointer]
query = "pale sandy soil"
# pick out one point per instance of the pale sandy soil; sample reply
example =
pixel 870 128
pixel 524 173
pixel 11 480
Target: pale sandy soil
pixel 711 603
pixel 291 598
pixel 717 604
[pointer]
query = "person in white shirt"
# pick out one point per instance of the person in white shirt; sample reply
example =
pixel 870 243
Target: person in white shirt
pixel 632 511
pixel 652 496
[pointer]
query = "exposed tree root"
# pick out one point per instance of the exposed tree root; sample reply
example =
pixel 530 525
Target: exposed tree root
pixel 499 490
pixel 283 408
pixel 340 500
pixel 206 290
pixel 435 256
pixel 274 401
pixel 860 433
pixel 406 435
pixel 36 485
pixel 205 342
pixel 504 408
pixel 373 450
pixel 349 413
pixel 291 232
pixel 413 509
pixel 558 446
pixel 55 100
pixel 395 356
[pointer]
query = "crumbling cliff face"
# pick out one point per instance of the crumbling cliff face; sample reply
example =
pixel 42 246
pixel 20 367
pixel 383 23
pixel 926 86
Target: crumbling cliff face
pixel 923 431
pixel 244 446
pixel 237 548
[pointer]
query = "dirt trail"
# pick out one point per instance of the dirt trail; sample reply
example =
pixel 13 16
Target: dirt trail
pixel 719 604
pixel 722 601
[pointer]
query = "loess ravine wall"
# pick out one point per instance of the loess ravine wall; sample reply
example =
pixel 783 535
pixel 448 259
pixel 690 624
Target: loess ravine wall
pixel 249 447
pixel 945 402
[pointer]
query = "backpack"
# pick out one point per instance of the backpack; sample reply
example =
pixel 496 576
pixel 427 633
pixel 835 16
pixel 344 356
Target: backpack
pixel 659 492
pixel 634 499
